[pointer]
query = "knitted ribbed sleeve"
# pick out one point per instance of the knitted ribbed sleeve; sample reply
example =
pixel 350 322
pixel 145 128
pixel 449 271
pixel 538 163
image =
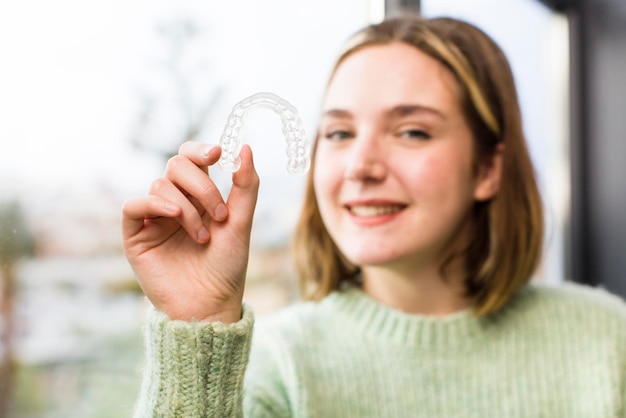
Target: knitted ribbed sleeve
pixel 194 369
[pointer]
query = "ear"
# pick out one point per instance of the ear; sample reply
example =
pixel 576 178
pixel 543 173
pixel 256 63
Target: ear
pixel 489 175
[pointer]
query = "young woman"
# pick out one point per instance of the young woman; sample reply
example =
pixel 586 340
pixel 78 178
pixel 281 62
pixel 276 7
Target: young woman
pixel 421 228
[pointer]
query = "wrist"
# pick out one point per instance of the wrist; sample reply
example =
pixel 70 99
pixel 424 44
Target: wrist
pixel 225 313
pixel 226 316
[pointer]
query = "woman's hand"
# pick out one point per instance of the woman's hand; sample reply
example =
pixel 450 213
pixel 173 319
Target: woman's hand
pixel 189 248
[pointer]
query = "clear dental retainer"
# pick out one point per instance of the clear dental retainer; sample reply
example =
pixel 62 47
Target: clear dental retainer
pixel 297 145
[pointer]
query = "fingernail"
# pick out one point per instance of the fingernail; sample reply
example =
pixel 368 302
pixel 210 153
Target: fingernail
pixel 203 234
pixel 206 151
pixel 171 207
pixel 220 212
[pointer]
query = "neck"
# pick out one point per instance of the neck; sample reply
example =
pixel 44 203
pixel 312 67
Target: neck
pixel 426 292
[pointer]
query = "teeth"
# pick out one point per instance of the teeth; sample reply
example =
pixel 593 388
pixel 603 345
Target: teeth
pixel 370 211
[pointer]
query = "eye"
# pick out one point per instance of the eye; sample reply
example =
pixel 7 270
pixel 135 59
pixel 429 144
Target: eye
pixel 338 135
pixel 415 134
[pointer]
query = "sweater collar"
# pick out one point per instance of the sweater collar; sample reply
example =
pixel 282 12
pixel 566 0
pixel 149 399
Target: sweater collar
pixel 378 320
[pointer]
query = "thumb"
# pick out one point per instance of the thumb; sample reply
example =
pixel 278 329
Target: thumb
pixel 243 195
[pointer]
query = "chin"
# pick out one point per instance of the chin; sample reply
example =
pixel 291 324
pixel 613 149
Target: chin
pixel 368 259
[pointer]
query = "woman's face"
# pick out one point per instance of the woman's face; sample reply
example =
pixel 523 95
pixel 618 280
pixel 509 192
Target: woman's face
pixel 393 171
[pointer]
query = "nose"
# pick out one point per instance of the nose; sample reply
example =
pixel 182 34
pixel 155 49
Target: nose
pixel 367 160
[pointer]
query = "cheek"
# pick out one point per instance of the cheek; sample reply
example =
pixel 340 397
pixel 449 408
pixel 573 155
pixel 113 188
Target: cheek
pixel 428 171
pixel 443 176
pixel 328 172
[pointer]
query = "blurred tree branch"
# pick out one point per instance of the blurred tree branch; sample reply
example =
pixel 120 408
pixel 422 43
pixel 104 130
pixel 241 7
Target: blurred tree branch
pixel 181 98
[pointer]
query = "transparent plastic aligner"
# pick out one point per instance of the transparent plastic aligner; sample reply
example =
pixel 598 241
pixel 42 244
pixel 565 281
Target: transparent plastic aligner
pixel 297 145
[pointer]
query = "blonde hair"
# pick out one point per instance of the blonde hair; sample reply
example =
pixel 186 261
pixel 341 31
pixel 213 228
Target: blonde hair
pixel 508 229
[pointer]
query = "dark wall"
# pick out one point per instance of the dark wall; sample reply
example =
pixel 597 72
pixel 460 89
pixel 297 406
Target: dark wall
pixel 598 224
pixel 393 7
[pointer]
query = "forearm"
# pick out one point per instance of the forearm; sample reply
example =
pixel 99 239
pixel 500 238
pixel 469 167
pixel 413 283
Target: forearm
pixel 194 369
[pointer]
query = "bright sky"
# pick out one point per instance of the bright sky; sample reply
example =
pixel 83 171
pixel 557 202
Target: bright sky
pixel 62 105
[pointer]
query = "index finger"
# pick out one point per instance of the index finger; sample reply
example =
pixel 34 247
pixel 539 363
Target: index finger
pixel 202 155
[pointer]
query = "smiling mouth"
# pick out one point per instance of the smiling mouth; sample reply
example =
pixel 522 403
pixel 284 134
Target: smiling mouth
pixel 370 211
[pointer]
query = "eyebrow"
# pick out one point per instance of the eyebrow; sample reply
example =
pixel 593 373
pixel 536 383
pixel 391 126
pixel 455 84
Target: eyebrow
pixel 396 111
pixel 408 110
pixel 337 113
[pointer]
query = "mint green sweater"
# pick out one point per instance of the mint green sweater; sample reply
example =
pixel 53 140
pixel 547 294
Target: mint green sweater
pixel 552 352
